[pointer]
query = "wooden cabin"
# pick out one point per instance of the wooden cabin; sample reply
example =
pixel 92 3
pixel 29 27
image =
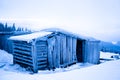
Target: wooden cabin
pixel 50 49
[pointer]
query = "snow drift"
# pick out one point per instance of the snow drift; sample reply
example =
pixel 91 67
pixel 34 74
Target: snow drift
pixel 109 70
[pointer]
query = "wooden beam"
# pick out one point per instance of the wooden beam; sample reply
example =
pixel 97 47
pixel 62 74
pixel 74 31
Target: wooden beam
pixel 57 45
pixel 74 44
pixel 34 57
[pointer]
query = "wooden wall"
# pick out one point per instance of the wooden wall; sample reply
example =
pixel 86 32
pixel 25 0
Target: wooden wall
pixel 91 52
pixel 61 51
pixel 41 52
pixel 31 55
pixel 22 54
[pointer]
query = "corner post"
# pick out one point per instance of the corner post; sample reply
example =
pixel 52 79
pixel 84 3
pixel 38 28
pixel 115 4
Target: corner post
pixel 34 57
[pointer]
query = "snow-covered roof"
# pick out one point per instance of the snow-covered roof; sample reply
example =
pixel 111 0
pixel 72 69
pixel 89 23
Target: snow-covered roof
pixel 45 32
pixel 30 37
pixel 73 34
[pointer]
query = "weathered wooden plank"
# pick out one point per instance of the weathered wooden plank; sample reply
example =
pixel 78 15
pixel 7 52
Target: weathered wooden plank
pixel 22 42
pixel 44 56
pixel 34 57
pixel 42 63
pixel 24 59
pixel 41 53
pixel 54 53
pixel 64 55
pixel 67 49
pixel 57 45
pixel 85 52
pixel 88 51
pixel 42 50
pixel 51 46
pixel 22 62
pixel 42 67
pixel 70 49
pixel 22 48
pixel 61 49
pixel 96 54
pixel 40 42
pixel 20 51
pixel 74 57
pixel 42 59
pixel 22 54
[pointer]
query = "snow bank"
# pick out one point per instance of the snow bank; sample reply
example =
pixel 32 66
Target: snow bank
pixel 5 58
pixel 107 55
pixel 105 71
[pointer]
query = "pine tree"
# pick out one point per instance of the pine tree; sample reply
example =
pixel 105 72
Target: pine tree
pixel 13 27
pixel 1 27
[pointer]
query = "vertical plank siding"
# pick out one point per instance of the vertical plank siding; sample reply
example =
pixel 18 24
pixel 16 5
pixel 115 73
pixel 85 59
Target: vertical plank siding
pixel 64 56
pixel 74 57
pixel 51 48
pixel 92 53
pixel 58 51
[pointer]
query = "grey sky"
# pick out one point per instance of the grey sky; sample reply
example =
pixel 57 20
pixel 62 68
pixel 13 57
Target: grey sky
pixel 96 18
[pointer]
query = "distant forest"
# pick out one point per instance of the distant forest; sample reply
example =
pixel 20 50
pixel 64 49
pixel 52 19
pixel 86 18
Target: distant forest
pixel 6 28
pixel 7 31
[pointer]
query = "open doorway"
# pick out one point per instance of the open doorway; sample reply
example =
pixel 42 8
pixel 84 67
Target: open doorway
pixel 79 50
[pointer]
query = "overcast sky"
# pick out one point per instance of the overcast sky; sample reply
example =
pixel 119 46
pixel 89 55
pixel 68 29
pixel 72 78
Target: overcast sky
pixel 95 18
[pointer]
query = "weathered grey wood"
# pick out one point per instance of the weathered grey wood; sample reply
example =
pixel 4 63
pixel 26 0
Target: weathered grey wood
pixel 64 54
pixel 18 43
pixel 23 62
pixel 69 51
pixel 71 54
pixel 34 57
pixel 24 56
pixel 61 49
pixel 22 47
pixel 96 54
pixel 40 63
pixel 74 58
pixel 45 56
pixel 91 52
pixel 58 51
pixel 20 51
pixel 21 58
pixel 51 46
pixel 85 52
pixel 42 66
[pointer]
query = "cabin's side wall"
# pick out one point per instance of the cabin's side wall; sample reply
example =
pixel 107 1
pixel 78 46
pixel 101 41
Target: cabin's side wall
pixel 22 54
pixel 91 52
pixel 61 51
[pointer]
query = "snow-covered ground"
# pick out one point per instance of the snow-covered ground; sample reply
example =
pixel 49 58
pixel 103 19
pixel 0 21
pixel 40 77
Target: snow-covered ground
pixel 109 70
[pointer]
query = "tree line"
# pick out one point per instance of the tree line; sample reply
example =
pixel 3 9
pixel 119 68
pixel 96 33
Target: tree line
pixel 6 28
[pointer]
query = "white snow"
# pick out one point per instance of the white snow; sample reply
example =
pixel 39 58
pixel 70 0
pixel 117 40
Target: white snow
pixel 70 33
pixel 82 71
pixel 5 58
pixel 107 55
pixel 29 37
